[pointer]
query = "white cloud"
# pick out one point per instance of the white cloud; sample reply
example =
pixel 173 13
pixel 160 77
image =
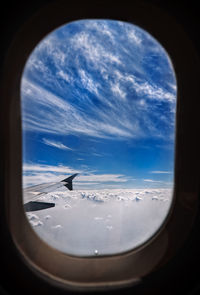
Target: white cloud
pixel 56 144
pixel 161 172
pixel 34 174
pixel 45 112
pixel 132 35
pixel 102 178
pixel 97 155
pixel 36 178
pixel 118 209
pixel 48 168
pixel 148 180
pixel 152 180
pixel 151 91
pixel 158 183
pixel 87 183
pixel 101 27
pixel 64 76
pixel 92 50
pixel 142 87
pixel 115 87
pixel 48 111
pixel 173 86
pixel 40 173
pixel 88 82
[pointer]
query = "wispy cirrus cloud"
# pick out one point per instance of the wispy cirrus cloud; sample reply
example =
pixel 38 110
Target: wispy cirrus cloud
pixel 46 112
pixel 115 87
pixel 158 182
pixel 152 180
pixel 88 82
pixel 132 35
pixel 34 174
pixel 101 27
pixel 77 84
pixel 51 114
pixel 161 172
pixel 94 51
pixel 56 144
pixel 144 88
pixel 40 168
pixel 64 75
pixel 103 178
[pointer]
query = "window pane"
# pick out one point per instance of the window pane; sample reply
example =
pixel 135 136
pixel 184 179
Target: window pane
pixel 98 99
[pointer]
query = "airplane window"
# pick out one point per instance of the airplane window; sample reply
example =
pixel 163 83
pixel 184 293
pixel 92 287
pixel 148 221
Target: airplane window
pixel 98 103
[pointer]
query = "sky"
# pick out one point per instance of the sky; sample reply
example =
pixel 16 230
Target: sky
pixel 98 98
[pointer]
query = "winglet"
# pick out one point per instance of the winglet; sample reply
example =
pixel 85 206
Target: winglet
pixel 68 181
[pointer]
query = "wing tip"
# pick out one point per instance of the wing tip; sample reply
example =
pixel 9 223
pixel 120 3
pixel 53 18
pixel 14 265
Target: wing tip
pixel 68 181
pixel 70 178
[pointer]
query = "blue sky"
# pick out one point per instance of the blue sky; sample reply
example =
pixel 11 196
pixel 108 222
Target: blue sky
pixel 99 98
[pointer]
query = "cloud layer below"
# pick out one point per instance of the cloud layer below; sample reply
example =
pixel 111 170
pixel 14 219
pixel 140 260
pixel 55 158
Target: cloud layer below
pixel 103 222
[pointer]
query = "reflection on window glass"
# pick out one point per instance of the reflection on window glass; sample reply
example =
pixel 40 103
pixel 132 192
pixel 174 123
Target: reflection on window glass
pixel 98 100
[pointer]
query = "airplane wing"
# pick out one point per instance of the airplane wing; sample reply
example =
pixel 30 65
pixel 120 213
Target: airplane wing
pixel 31 194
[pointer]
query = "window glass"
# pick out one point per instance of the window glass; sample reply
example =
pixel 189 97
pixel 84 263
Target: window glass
pixel 98 99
